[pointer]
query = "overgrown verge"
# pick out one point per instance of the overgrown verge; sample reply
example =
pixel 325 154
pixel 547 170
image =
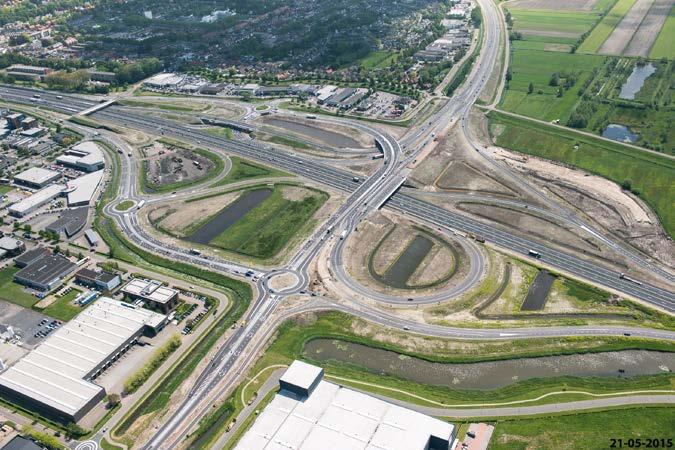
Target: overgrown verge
pixel 158 357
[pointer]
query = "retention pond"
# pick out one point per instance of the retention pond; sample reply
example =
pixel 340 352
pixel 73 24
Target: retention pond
pixel 229 215
pixel 636 80
pixel 494 374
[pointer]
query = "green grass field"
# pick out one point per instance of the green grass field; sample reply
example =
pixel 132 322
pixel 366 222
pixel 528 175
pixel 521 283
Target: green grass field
pixel 245 170
pixel 650 174
pixel 13 292
pixel 537 67
pixel 603 29
pixel 288 142
pixel 378 60
pixel 663 46
pixel 268 227
pixel 124 205
pixel 5 189
pixel 62 308
pixel 541 22
pixel 587 430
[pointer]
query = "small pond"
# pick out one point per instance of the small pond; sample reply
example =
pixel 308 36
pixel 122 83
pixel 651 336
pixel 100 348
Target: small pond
pixel 619 133
pixel 635 81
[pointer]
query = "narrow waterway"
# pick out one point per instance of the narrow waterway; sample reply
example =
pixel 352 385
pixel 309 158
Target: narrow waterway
pixel 495 374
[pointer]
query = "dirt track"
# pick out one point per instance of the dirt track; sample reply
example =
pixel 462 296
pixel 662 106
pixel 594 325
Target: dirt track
pixel 624 31
pixel 649 29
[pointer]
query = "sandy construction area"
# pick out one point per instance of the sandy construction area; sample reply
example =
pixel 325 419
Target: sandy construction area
pixel 649 29
pixel 624 31
pixel 556 5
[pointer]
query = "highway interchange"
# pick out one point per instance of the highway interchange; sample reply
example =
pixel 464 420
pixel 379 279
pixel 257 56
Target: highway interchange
pixel 382 188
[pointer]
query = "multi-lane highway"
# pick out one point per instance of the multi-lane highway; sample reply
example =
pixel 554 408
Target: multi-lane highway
pixel 240 348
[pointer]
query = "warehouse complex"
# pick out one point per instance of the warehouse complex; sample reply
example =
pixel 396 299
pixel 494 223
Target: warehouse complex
pixel 56 378
pixel 86 156
pixel 46 272
pixel 32 203
pixel 312 414
pixel 36 177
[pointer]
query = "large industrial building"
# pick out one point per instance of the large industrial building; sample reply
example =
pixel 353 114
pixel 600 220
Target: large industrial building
pixel 35 201
pixel 86 156
pixel 46 272
pixel 81 190
pixel 312 414
pixel 154 293
pixel 36 177
pixel 56 378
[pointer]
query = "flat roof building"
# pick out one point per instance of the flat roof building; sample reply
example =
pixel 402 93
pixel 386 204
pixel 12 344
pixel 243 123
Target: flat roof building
pixel 12 246
pixel 46 272
pixel 333 417
pixel 55 378
pixel 153 292
pixel 104 281
pixel 36 177
pixel 38 199
pixel 30 256
pixel 86 156
pixel 70 222
pixel 81 190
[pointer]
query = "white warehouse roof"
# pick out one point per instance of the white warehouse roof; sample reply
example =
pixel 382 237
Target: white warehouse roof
pixel 82 189
pixel 338 418
pixel 150 290
pixel 54 372
pixel 36 200
pixel 37 175
pixel 84 154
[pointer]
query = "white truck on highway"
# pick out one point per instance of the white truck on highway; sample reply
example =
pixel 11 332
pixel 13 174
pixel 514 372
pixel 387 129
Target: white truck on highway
pixel 343 234
pixel 534 253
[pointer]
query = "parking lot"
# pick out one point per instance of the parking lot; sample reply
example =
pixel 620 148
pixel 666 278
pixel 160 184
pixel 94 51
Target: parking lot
pixel 25 322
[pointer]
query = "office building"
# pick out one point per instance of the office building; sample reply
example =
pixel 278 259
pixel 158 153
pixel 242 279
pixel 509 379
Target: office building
pixel 154 293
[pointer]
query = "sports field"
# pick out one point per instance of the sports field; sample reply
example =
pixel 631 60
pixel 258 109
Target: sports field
pixel 602 30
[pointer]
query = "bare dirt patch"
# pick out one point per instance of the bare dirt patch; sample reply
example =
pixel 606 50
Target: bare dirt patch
pixel 296 193
pixel 646 34
pixel 568 5
pixel 283 281
pixel 461 176
pixel 166 164
pixel 437 265
pixel 396 239
pixel 624 31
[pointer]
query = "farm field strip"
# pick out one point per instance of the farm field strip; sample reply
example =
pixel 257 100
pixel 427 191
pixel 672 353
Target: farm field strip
pixel 624 31
pixel 663 46
pixel 566 24
pixel 603 29
pixel 646 34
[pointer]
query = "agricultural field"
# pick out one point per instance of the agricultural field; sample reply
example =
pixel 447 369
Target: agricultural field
pixel 663 46
pixel 648 175
pixel 633 28
pixel 556 24
pixel 603 29
pixel 552 96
